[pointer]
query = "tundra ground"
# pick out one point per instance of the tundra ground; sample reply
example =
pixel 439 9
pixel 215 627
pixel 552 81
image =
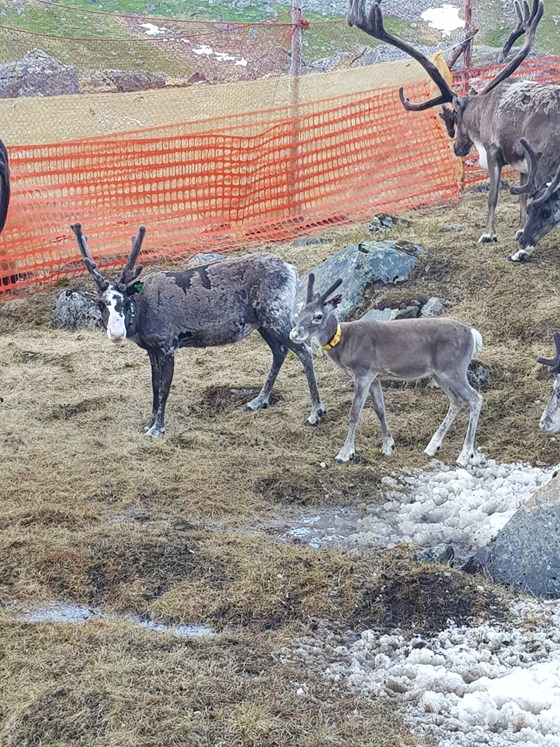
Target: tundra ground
pixel 178 529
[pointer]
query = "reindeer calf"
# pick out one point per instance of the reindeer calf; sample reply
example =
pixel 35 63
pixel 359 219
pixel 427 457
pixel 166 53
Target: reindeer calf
pixel 404 349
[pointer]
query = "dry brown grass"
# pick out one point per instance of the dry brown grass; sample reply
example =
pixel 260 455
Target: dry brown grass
pixel 175 529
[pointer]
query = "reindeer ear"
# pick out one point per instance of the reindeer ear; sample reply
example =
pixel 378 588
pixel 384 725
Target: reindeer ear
pixel 336 301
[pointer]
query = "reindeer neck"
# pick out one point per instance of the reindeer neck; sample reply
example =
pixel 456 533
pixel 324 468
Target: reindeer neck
pixel 331 337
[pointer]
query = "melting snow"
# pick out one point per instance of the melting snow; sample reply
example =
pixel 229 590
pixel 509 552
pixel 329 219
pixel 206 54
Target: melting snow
pixel 58 612
pixel 152 29
pixel 445 19
pixel 204 49
pixel 493 685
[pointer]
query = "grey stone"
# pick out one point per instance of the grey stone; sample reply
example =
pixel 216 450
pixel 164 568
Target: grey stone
pixel 437 554
pixel 433 306
pixel 359 266
pixel 310 241
pixel 380 315
pixel 37 74
pixel 120 81
pixel 525 553
pixel 479 375
pixel 447 227
pixel 75 310
pixel 204 259
pixel 385 222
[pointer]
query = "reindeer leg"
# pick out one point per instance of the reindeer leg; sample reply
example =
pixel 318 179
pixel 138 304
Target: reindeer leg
pixel 279 352
pixel 379 407
pixel 455 404
pixel 522 206
pixel 361 389
pixel 162 375
pixel 495 172
pixel 474 403
pixel 303 352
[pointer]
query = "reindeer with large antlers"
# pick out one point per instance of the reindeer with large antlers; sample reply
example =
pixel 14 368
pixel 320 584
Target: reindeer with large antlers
pixel 493 120
pixel 202 307
pixel 542 189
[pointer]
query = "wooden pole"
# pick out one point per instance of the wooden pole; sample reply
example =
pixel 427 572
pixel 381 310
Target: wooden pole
pixel 468 24
pixel 297 38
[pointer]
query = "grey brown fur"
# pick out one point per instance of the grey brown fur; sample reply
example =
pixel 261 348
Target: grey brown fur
pixel 493 120
pixel 407 349
pixel 209 305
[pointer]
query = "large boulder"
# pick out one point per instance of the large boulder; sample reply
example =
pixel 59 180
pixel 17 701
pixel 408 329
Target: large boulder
pixel 526 552
pixel 360 265
pixel 75 310
pixel 37 74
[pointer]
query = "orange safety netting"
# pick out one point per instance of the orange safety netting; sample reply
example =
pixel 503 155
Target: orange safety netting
pixel 226 183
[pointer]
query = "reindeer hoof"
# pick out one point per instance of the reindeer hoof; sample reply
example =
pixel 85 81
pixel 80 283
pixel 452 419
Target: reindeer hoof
pixel 315 417
pixel 488 238
pixel 345 459
pixel 520 256
pixel 155 431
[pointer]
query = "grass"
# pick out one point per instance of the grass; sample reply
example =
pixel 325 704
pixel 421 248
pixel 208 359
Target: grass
pixel 185 528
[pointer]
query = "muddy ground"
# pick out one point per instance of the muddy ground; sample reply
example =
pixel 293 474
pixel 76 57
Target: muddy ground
pixel 184 528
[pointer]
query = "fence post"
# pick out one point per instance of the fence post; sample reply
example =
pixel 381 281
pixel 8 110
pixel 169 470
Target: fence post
pixel 467 59
pixel 297 38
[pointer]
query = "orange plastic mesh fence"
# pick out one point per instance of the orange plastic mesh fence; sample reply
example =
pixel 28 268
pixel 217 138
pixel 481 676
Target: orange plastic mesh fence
pixel 225 183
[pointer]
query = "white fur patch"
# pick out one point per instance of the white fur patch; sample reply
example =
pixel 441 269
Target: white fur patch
pixel 482 154
pixel 116 328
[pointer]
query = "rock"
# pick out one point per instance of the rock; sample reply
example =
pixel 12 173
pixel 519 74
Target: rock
pixel 75 310
pixel 119 81
pixel 204 259
pixel 445 227
pixel 359 266
pixel 37 74
pixel 384 222
pixel 438 554
pixel 433 306
pixel 479 375
pixel 310 241
pixel 525 553
pixel 380 315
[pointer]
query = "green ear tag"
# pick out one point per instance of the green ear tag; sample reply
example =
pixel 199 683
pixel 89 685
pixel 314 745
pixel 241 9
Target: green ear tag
pixel 138 287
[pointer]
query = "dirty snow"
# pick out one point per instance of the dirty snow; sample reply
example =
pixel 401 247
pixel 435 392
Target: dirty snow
pixel 494 684
pixel 445 19
pixel 204 49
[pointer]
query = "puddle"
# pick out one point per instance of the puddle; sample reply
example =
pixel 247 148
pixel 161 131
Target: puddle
pixel 77 614
pixel 445 19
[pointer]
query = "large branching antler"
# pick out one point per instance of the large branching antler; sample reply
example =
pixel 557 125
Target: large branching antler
pixel 372 24
pixel 551 187
pixel 530 186
pixel 130 272
pixel 91 266
pixel 554 363
pixel 527 22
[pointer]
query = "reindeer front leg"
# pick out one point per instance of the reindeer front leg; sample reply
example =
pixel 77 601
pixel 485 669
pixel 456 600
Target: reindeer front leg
pixel 495 172
pixel 163 366
pixel 362 384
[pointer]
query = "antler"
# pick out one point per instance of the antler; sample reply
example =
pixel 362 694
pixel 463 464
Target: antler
pixel 527 22
pixel 4 185
pixel 551 187
pixel 130 273
pixel 372 24
pixel 323 297
pixel 101 282
pixel 554 363
pixel 310 284
pixel 534 158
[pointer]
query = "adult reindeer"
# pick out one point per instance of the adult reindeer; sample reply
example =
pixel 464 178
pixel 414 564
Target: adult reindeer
pixel 205 306
pixel 4 185
pixel 496 118
pixel 542 189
